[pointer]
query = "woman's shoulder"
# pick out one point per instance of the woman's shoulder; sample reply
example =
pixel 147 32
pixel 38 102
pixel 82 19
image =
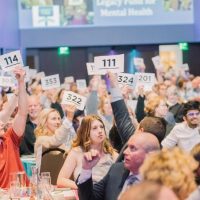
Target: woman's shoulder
pixel 112 157
pixel 76 150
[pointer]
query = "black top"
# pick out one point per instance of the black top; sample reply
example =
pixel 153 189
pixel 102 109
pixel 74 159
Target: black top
pixel 28 141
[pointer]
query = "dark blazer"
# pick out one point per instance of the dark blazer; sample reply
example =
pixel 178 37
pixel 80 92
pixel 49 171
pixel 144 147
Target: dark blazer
pixel 108 188
pixel 123 121
pixel 124 124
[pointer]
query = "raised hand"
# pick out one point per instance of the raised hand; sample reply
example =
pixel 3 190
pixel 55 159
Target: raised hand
pixel 90 159
pixel 141 90
pixel 94 83
pixel 19 73
pixel 69 109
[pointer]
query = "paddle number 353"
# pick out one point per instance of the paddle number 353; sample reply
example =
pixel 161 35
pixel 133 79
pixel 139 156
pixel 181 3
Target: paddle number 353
pixel 51 81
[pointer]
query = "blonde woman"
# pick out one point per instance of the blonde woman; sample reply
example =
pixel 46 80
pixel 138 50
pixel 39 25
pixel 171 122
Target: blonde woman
pixel 90 135
pixel 195 152
pixel 157 107
pixel 50 132
pixel 49 120
pixel 172 168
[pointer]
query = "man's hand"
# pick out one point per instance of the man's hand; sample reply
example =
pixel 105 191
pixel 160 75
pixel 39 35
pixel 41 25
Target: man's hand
pixel 90 159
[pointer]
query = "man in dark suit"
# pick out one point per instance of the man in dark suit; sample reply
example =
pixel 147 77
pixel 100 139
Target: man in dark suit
pixel 120 174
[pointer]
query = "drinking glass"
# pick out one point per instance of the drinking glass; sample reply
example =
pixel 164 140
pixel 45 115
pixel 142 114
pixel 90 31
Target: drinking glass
pixel 45 174
pixel 19 177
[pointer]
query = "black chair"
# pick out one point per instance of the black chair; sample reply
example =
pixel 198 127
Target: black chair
pixel 52 161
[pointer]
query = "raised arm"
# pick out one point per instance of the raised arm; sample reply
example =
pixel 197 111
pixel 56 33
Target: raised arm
pixel 122 119
pixel 20 118
pixel 61 134
pixel 67 171
pixel 140 114
pixel 92 100
pixel 8 109
pixel 86 189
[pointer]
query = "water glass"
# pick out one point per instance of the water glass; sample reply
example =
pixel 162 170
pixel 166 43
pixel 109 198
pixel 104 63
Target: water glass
pixel 14 189
pixel 45 181
pixel 45 174
pixel 19 177
pixel 18 187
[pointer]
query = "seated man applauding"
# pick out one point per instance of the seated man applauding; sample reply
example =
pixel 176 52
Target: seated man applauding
pixel 10 140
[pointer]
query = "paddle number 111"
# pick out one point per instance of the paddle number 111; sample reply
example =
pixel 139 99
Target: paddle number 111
pixel 109 62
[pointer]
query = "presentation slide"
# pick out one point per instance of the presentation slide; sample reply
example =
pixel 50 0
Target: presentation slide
pixel 104 13
pixel 143 12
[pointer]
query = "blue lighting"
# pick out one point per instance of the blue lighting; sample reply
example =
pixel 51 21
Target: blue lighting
pixel 133 54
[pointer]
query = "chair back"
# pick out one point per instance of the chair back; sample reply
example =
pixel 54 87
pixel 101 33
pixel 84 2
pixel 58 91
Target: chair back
pixel 52 161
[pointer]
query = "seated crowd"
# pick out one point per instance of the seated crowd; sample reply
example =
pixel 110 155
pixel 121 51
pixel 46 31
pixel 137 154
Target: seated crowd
pixel 113 150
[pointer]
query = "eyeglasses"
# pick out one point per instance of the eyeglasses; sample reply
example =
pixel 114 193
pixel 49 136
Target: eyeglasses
pixel 192 114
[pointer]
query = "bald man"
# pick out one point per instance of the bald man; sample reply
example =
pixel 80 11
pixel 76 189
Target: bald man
pixel 120 175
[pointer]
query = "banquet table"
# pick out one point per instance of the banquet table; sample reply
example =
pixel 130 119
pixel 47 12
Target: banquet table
pixel 57 194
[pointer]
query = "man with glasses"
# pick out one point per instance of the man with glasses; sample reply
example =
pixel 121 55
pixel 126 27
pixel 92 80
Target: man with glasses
pixel 186 134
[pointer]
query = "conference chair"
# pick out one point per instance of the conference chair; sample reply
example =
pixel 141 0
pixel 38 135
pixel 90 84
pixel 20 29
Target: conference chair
pixel 52 161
